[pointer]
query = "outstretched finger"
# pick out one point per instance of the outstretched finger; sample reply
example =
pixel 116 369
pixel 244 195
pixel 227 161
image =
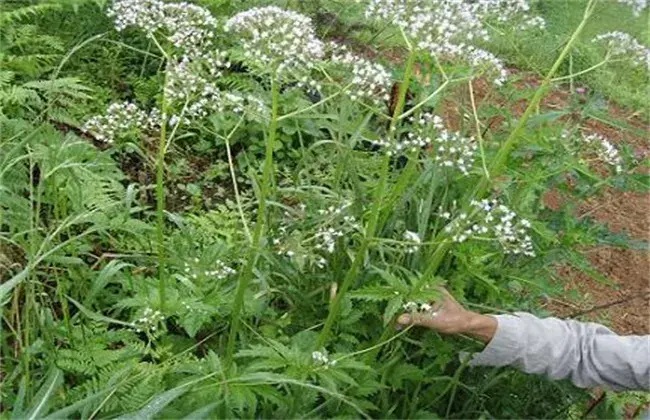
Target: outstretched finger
pixel 423 319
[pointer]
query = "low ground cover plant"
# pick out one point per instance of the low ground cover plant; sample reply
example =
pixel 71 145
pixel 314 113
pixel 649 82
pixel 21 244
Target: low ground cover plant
pixel 228 223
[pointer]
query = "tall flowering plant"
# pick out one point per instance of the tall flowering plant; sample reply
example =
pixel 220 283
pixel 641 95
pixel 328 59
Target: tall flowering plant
pixel 281 48
pixel 185 36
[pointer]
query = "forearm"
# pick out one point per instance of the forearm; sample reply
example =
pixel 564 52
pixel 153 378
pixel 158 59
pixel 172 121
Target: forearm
pixel 589 354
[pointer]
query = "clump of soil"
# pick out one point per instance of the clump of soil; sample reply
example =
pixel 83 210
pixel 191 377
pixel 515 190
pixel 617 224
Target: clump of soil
pixel 623 304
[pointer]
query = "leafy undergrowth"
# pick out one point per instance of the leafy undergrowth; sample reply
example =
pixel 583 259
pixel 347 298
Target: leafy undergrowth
pixel 218 210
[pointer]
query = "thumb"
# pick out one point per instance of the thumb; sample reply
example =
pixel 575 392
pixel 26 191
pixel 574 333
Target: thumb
pixel 413 318
pixel 404 319
pixel 419 319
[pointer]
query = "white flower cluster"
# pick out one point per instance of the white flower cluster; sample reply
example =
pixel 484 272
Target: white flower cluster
pixel 148 15
pixel 431 23
pixel 505 11
pixel 535 22
pixel 370 80
pixel 605 150
pixel 189 28
pixel 276 39
pixel 487 63
pixel 327 239
pixel 190 84
pixel 192 70
pixel 447 28
pixel 638 6
pixel 415 240
pixel 322 359
pixel 335 227
pixel 220 270
pixel 421 307
pixel 246 104
pixel 493 221
pixel 416 139
pixel 121 120
pixel 455 151
pixel 451 149
pixel 623 45
pixel 330 224
pixel 149 320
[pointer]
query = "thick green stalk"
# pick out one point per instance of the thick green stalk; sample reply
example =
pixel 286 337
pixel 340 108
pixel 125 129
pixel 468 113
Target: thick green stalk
pixel 499 163
pixel 403 89
pixel 160 204
pixel 247 272
pixel 335 307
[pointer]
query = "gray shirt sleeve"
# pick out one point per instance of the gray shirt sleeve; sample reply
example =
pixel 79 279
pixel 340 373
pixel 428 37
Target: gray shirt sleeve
pixel 587 353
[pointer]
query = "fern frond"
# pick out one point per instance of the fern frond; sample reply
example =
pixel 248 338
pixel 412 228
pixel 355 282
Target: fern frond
pixel 69 86
pixel 6 77
pixel 25 12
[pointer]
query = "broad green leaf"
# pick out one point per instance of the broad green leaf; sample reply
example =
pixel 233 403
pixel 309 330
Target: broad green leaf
pixel 157 404
pixel 97 317
pixel 7 286
pixel 203 412
pixel 41 401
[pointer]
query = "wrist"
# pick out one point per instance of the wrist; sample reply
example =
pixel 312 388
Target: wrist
pixel 481 327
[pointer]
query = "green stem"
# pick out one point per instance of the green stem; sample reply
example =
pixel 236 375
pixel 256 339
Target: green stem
pixel 315 105
pixel 403 89
pixel 234 180
pixel 160 202
pixel 479 136
pixel 594 67
pixel 352 273
pixel 247 272
pixel 425 100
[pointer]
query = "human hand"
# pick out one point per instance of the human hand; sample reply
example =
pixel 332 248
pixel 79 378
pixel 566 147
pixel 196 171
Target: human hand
pixel 447 316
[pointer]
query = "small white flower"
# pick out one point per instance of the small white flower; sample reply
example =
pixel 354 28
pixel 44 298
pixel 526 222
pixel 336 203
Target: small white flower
pixel 638 6
pixel 122 119
pixel 623 45
pixel 415 240
pixel 497 222
pixel 605 150
pixel 276 39
pixel 411 307
pixel 322 359
pixel 148 321
pixel 188 27
pixel 369 80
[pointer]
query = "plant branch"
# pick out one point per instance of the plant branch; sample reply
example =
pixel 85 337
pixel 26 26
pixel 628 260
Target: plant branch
pixel 594 67
pixel 317 104
pixel 247 272
pixel 234 180
pixel 479 136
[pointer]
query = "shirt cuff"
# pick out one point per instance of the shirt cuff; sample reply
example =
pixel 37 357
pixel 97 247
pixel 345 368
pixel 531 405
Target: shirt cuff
pixel 506 344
